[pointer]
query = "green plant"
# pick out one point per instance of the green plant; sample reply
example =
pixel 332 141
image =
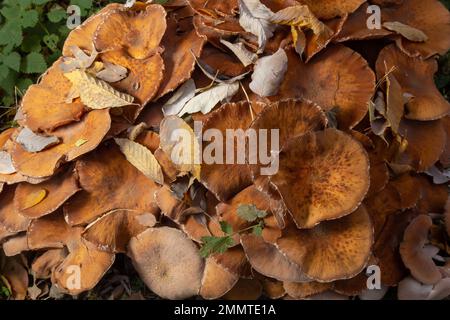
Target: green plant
pixel 31 36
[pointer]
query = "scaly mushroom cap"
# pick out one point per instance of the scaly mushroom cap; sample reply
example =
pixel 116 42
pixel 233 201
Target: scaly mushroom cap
pixel 100 172
pixel 266 259
pixel 91 130
pixel 416 77
pixel 336 78
pixel 435 23
pixel 306 289
pixel 10 220
pixel 226 180
pixel 217 281
pixel 44 104
pixel 168 262
pixel 181 43
pixel 143 79
pixel 139 33
pixel 82 35
pixel 57 190
pixel 425 143
pixel 327 9
pixel 322 176
pixel 333 250
pixel 114 230
pixel 413 254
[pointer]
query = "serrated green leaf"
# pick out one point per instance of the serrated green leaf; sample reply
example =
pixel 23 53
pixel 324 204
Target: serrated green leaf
pixel 11 33
pixel 4 70
pixel 84 5
pixel 32 43
pixel 51 41
pixel 250 212
pixel 257 230
pixel 56 14
pixel 8 83
pixel 226 228
pixel 40 2
pixel 24 3
pixel 34 63
pixel 11 13
pixel 23 84
pixel 12 60
pixel 213 245
pixel 29 18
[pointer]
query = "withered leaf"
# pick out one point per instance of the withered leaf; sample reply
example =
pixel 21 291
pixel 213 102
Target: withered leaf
pixel 81 60
pixel 269 74
pixel 244 55
pixel 112 72
pixel 34 198
pixel 33 142
pixel 142 158
pixel 6 165
pixel 179 99
pixel 96 93
pixel 410 33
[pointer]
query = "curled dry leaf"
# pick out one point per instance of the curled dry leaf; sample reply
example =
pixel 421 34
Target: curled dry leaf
pixel 112 73
pixel 406 31
pixel 168 262
pixel 269 74
pixel 179 99
pixel 6 165
pixel 244 55
pixel 142 158
pixel 32 142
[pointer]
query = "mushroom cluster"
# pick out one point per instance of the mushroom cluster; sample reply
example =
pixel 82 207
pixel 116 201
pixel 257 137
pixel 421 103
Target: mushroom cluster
pixel 94 168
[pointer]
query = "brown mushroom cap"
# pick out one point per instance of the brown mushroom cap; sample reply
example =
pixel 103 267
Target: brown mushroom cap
pixel 445 157
pixel 447 217
pixel 217 281
pixel 272 288
pixel 10 220
pixel 306 289
pixel 100 172
pixel 327 9
pixel 139 33
pixel 266 259
pixel 44 104
pixel 221 179
pixel 416 77
pixel 92 128
pixel 412 251
pixel 113 231
pixel 337 77
pixel 15 246
pixel 245 289
pixel 82 35
pixel 333 250
pixel 44 265
pixel 431 17
pixel 215 7
pixel 181 43
pixel 322 176
pixel 58 190
pixel 235 261
pixel 168 262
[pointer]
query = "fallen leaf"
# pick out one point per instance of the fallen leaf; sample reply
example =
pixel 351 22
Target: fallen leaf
pixel 32 142
pixel 179 99
pixel 34 198
pixel 80 142
pixel 142 158
pixel 250 213
pixel 81 60
pixel 208 99
pixel 406 31
pixel 269 74
pixel 255 18
pixel 6 165
pixel 244 55
pixel 112 72
pixel 96 93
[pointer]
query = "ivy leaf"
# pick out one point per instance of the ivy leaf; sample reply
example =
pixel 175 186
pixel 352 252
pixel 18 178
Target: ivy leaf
pixel 34 63
pixel 250 213
pixel 12 60
pixel 226 228
pixel 213 245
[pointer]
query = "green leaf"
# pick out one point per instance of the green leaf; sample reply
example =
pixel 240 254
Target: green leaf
pixel 29 18
pixel 51 41
pixel 84 5
pixel 250 213
pixel 257 230
pixel 8 83
pixel 12 61
pixel 23 84
pixel 32 43
pixel 11 13
pixel 4 70
pixel 40 2
pixel 213 245
pixel 11 33
pixel 226 228
pixel 56 14
pixel 34 63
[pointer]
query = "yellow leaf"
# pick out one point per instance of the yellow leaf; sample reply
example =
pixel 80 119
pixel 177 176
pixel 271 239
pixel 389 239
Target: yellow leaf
pixel 80 142
pixel 96 93
pixel 34 198
pixel 141 158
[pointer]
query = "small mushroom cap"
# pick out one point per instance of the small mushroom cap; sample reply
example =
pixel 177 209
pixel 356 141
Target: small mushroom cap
pixel 100 172
pixel 139 33
pixel 306 289
pixel 322 176
pixel 44 265
pixel 413 254
pixel 93 128
pixel 10 219
pixel 217 281
pixel 44 104
pixel 168 262
pixel 337 77
pixel 272 288
pixel 327 9
pixel 266 259
pixel 181 43
pixel 333 250
pixel 416 77
pixel 235 261
pixel 226 180
pixel 245 289
pixel 15 246
pixel 82 35
pixel 59 189
pixel 434 23
pixel 16 273
pixel 113 231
